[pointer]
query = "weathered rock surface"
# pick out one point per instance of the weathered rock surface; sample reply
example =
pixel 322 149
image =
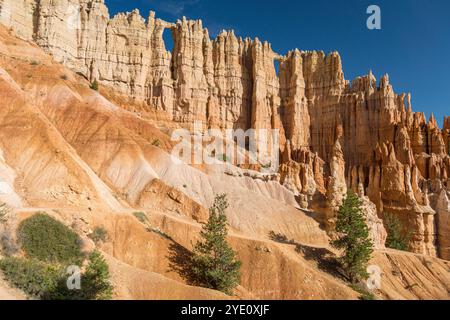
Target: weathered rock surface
pixel 389 154
pixel 69 151
pixel 443 219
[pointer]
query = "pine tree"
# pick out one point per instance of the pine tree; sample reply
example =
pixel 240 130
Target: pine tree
pixel 353 238
pixel 95 281
pixel 95 284
pixel 214 263
pixel 396 239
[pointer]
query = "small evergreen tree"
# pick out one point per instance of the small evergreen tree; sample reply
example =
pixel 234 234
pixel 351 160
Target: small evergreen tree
pixel 95 281
pixel 396 239
pixel 95 284
pixel 353 238
pixel 214 263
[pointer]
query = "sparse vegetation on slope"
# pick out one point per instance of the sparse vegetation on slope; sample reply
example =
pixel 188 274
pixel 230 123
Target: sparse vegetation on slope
pixel 95 284
pixel 50 248
pixel 32 276
pixel 364 293
pixel 141 216
pixel 94 85
pixel 99 235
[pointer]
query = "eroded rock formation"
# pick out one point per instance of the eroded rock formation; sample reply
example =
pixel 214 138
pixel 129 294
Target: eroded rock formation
pixel 335 134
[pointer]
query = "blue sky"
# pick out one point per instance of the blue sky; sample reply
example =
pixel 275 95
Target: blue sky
pixel 413 46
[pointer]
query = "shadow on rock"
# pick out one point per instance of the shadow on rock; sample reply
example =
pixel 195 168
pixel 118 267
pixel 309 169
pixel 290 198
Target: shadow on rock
pixel 324 258
pixel 180 262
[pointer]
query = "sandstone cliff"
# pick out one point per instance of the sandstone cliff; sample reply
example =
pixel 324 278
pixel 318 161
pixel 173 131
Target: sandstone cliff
pixel 385 151
pixel 73 153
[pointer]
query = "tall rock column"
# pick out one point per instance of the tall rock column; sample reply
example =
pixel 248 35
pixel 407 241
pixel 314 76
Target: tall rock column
pixel 446 135
pixel 337 187
pixel 296 117
pixel 443 223
pixel 231 98
pixel 266 100
pixel 188 63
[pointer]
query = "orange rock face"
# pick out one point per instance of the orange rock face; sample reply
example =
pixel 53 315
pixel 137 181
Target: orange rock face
pixel 335 134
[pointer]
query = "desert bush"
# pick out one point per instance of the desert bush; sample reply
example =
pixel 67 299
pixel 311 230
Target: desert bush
pixel 47 239
pixel 99 234
pixel 156 143
pixel 94 85
pixel 48 281
pixel 159 232
pixel 141 216
pixel 223 158
pixel 33 277
pixel 50 248
pixel 280 238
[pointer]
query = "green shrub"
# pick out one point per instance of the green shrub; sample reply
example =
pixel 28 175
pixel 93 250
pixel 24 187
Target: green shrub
pixel 267 165
pixel 34 63
pixel 99 235
pixel 214 263
pixel 160 233
pixel 223 158
pixel 396 239
pixel 47 239
pixel 141 216
pixel 156 143
pixel 364 293
pixel 94 85
pixel 33 277
pixel 49 282
pixel 95 283
pixel 50 248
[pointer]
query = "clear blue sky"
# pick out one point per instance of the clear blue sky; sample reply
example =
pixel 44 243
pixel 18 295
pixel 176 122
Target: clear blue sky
pixel 413 46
